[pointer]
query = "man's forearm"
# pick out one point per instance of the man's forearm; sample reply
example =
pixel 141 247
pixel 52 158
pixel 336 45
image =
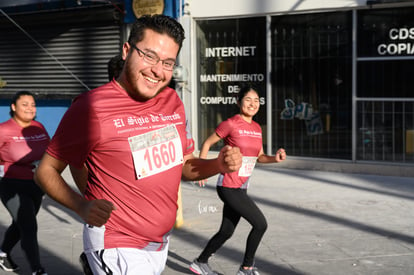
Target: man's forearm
pixel 197 169
pixel 228 160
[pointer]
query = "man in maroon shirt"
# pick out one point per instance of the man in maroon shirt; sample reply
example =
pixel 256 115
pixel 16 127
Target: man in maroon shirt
pixel 131 136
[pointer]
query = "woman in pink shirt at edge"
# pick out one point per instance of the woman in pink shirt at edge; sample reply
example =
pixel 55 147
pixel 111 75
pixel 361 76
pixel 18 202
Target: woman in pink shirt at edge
pixel 23 142
pixel 241 131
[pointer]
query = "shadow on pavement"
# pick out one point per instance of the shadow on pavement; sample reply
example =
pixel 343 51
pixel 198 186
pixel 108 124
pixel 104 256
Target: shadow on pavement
pixel 229 253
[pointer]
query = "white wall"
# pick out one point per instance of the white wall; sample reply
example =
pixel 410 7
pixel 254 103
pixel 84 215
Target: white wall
pixel 227 8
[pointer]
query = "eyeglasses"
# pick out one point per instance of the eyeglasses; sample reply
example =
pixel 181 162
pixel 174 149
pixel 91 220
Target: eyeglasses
pixel 153 59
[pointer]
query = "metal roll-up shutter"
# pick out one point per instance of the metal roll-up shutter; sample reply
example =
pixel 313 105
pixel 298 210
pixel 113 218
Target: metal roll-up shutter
pixel 58 55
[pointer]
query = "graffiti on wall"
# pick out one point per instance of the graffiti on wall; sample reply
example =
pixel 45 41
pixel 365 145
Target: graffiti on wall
pixel 303 111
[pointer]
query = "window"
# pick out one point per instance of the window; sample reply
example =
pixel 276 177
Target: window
pixel 231 53
pixel 385 98
pixel 312 84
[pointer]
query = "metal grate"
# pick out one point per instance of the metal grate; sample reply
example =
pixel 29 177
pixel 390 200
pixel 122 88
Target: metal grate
pixel 57 55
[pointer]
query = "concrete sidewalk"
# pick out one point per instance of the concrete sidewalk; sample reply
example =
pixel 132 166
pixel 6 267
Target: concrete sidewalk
pixel 318 223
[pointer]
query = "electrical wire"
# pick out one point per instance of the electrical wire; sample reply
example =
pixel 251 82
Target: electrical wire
pixel 44 49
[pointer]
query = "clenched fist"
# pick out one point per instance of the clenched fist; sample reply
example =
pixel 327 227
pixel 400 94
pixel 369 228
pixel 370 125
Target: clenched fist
pixel 230 159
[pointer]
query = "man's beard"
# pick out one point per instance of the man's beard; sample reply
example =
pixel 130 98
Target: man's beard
pixel 132 87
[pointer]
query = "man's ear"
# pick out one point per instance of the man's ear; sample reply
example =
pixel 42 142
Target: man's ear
pixel 125 50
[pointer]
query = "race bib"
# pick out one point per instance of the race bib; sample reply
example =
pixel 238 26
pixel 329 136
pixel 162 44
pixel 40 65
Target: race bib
pixel 156 151
pixel 247 166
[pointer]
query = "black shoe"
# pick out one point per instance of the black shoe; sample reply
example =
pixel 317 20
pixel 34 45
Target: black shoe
pixel 40 271
pixel 6 263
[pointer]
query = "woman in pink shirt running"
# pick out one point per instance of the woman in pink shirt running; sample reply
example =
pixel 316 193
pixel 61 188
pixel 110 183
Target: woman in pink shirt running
pixel 23 142
pixel 238 131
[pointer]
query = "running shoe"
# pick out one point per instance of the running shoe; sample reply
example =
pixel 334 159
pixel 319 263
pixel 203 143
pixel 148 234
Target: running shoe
pixel 252 271
pixel 7 264
pixel 201 268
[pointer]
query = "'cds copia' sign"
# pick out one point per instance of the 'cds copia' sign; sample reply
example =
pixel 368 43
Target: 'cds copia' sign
pixel 401 42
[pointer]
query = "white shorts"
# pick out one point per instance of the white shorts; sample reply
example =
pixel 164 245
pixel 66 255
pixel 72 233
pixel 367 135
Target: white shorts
pixel 121 261
pixel 127 261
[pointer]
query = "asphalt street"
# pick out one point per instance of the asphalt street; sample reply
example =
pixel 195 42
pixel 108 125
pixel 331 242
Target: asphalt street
pixel 318 223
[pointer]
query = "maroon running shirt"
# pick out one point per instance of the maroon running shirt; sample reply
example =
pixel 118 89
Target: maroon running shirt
pixel 247 136
pixel 20 147
pixel 134 152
